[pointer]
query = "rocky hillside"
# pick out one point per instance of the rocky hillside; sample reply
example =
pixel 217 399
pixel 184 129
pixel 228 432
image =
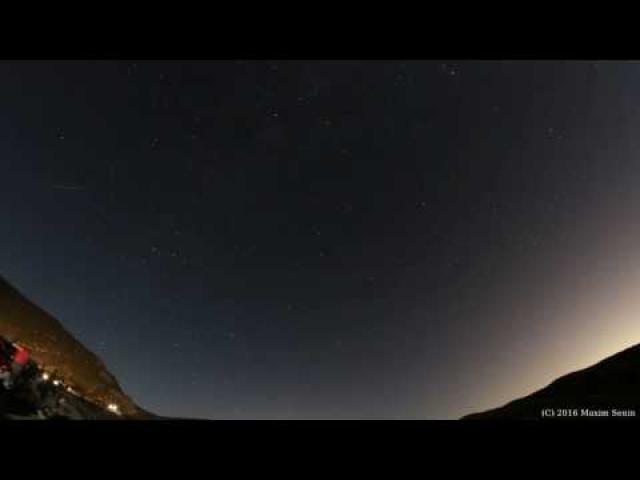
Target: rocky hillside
pixel 55 349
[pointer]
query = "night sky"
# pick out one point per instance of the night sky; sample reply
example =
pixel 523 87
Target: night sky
pixel 326 239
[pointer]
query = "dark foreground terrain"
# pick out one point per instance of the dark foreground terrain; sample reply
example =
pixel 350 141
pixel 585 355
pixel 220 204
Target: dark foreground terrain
pixel 49 402
pixel 609 389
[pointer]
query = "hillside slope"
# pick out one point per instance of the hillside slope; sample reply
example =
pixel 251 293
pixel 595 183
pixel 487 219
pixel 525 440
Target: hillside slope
pixel 56 349
pixel 608 389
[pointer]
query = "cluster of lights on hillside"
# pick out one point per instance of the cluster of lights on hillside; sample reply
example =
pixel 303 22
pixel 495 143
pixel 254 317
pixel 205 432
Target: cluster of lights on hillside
pixel 111 407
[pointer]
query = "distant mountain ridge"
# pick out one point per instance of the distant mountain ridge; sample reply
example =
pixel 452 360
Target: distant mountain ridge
pixel 55 348
pixel 608 389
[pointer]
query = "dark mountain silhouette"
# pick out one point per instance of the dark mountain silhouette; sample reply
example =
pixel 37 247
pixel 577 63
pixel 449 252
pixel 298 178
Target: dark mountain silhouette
pixel 608 389
pixel 56 350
